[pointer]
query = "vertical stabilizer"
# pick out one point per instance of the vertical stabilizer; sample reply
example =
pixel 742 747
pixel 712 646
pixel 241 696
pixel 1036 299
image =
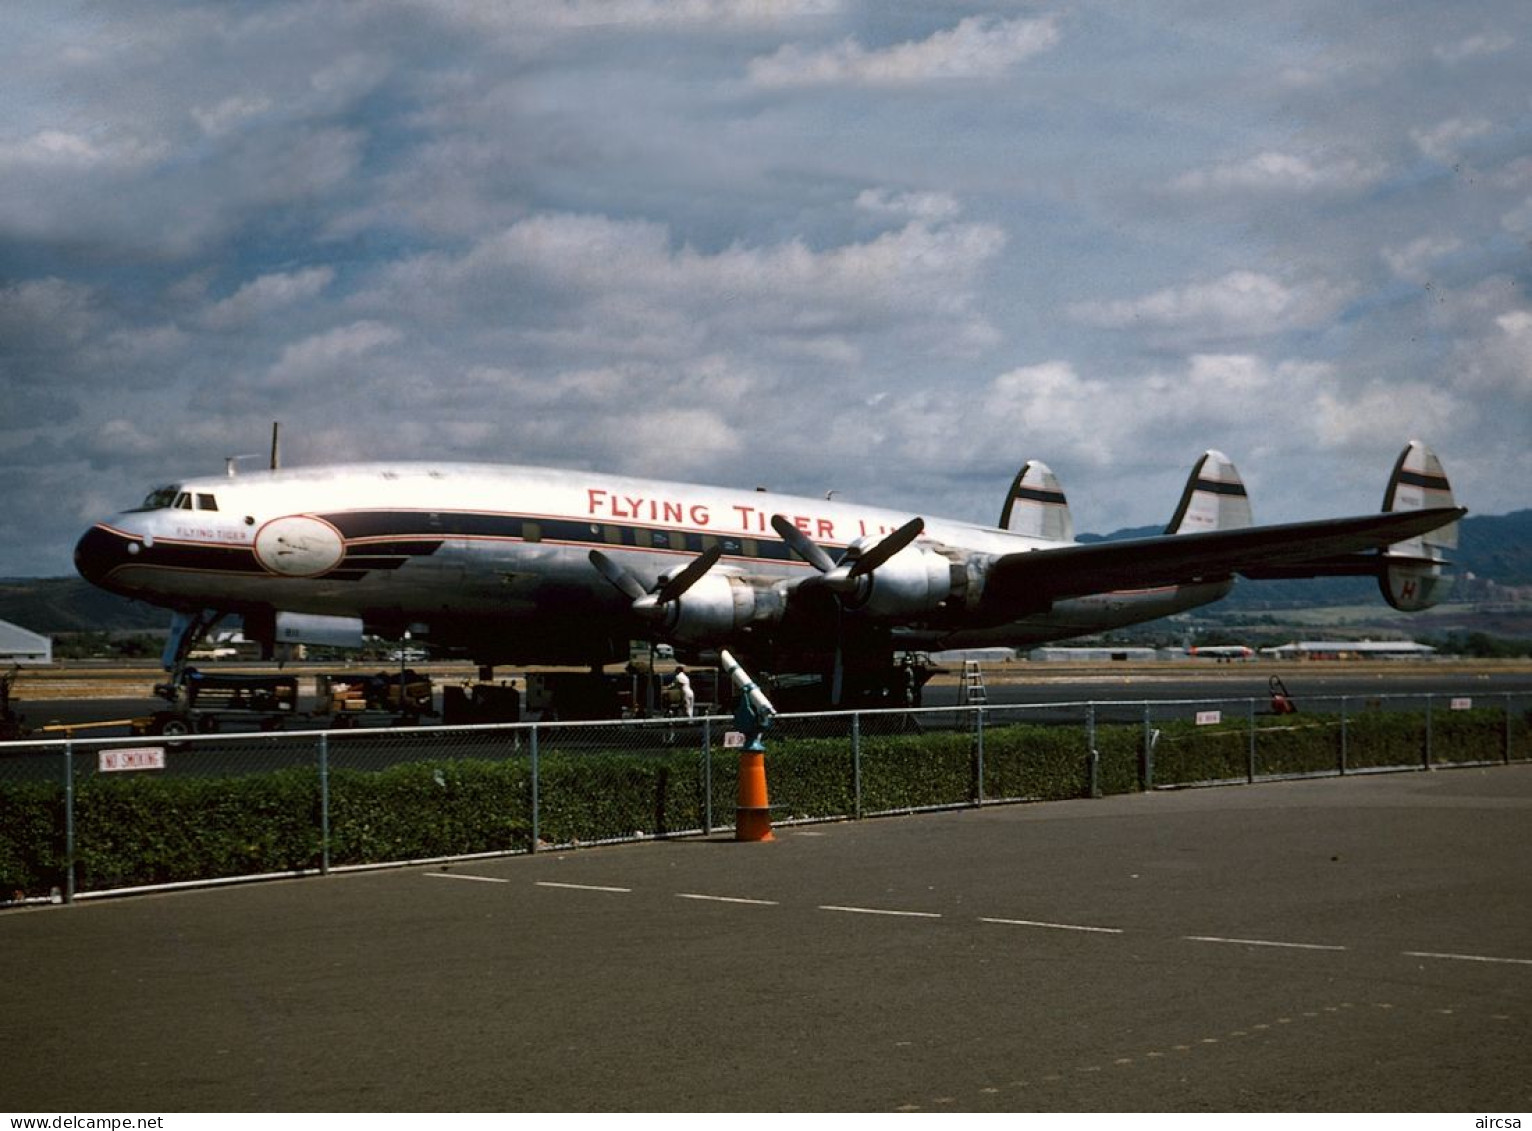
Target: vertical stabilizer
pixel 1214 498
pixel 1036 505
pixel 1414 577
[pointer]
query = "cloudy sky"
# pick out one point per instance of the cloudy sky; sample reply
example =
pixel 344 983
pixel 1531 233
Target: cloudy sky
pixel 888 249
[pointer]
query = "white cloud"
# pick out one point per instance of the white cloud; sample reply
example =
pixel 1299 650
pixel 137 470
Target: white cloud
pixel 979 47
pixel 229 113
pixel 1519 219
pixel 1444 142
pixel 1473 47
pixel 523 16
pixel 1413 261
pixel 1379 413
pixel 332 354
pixel 43 313
pixel 54 149
pixel 622 287
pixel 1240 304
pixel 1496 362
pixel 265 295
pixel 930 207
pixel 1274 172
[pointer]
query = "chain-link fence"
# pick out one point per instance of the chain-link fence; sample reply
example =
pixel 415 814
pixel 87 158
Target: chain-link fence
pixel 92 816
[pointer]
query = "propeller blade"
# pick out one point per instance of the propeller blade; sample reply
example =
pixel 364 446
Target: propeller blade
pixel 887 548
pixel 689 576
pixel 626 584
pixel 801 544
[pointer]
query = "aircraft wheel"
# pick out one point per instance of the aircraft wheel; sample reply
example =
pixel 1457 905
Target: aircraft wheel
pixel 174 728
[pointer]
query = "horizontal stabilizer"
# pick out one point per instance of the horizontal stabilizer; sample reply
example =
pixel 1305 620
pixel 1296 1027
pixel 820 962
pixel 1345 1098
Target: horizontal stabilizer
pixel 1031 581
pixel 1411 572
pixel 1036 506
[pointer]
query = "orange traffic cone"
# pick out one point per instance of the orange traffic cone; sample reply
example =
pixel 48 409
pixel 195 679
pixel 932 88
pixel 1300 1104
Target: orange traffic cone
pixel 752 816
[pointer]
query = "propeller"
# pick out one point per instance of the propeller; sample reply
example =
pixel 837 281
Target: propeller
pixel 843 578
pixel 650 603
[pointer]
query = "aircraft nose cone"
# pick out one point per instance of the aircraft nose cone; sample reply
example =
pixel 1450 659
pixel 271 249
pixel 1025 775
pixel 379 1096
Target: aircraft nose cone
pixel 98 554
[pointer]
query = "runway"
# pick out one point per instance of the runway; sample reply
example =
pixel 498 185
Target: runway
pixel 1340 944
pixel 86 695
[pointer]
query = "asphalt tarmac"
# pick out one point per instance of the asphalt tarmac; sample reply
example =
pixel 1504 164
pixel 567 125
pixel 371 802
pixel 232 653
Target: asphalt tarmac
pixel 1349 944
pixel 1317 685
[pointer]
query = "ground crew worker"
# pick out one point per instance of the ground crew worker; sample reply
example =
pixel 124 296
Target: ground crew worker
pixel 684 682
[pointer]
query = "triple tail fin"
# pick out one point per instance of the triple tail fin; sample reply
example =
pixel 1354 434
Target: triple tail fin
pixel 1412 577
pixel 1214 498
pixel 1036 505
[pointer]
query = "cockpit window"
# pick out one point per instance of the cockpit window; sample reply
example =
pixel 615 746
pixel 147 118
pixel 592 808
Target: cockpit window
pixel 183 502
pixel 160 498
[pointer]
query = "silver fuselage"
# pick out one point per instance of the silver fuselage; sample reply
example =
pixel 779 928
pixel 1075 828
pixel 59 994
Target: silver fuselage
pixel 495 559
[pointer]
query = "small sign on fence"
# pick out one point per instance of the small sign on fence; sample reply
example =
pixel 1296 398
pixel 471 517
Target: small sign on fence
pixel 131 758
pixel 733 740
pixel 1209 718
pixel 1462 704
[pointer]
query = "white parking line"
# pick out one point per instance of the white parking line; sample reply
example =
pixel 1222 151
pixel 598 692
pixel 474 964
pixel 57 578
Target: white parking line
pixel 581 887
pixel 881 911
pixel 727 899
pixel 1262 942
pixel 1053 926
pixel 466 876
pixel 1468 957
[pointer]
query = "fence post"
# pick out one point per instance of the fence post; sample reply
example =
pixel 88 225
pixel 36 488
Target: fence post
pixel 69 821
pixel 1344 734
pixel 1093 756
pixel 324 803
pixel 1428 733
pixel 536 828
pixel 1146 759
pixel 707 776
pixel 978 790
pixel 1250 756
pixel 1507 757
pixel 856 765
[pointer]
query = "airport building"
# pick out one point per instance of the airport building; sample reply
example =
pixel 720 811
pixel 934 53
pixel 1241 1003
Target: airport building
pixel 19 646
pixel 1090 655
pixel 1350 650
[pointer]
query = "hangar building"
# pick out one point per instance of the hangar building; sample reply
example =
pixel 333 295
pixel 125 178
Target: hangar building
pixel 19 646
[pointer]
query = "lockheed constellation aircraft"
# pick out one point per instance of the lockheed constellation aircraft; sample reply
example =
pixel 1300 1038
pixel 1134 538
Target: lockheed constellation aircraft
pixel 527 565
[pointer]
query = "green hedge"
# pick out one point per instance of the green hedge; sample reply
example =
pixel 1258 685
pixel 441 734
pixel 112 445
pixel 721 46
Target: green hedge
pixel 139 829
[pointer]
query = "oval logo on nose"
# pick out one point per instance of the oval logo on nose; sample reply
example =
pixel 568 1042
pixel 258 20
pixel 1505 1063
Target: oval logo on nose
pixel 299 546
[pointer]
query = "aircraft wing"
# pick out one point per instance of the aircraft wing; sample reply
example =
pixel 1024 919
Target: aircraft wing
pixel 1028 582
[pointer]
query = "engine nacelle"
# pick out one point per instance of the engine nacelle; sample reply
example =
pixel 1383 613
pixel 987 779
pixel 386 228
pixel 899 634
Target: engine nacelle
pixel 915 580
pixel 714 608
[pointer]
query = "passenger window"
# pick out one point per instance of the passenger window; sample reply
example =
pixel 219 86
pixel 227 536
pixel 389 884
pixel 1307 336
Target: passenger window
pixel 531 532
pixel 206 503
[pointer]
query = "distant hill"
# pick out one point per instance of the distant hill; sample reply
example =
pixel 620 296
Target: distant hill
pixel 1493 548
pixel 54 605
pixel 1498 547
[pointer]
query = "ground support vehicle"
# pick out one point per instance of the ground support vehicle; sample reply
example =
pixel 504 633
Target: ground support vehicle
pixel 399 698
pixel 207 704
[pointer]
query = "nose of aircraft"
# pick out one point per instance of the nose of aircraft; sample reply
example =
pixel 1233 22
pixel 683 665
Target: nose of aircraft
pixel 99 553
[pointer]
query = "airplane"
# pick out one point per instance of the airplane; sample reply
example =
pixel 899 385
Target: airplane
pixel 524 565
pixel 1220 651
